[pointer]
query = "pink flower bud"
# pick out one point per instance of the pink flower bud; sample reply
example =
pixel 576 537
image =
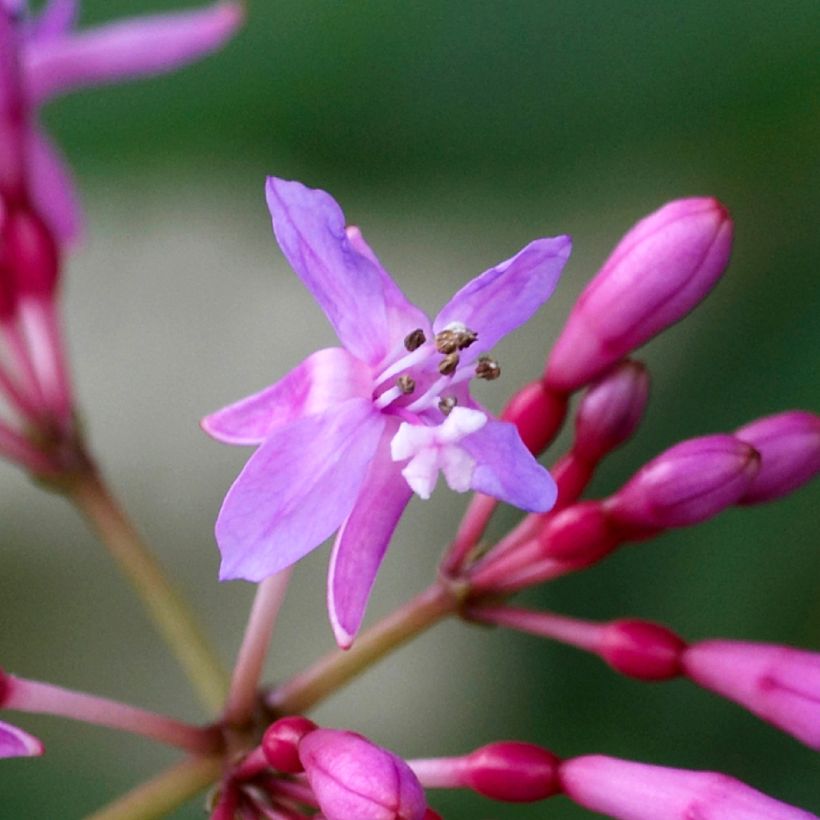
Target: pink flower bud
pixel 789 446
pixel 641 650
pixel 352 777
pixel 30 253
pixel 15 742
pixel 777 683
pixel 689 483
pixel 610 411
pixel 582 533
pixel 537 413
pixel 657 273
pixel 514 772
pixel 636 791
pixel 280 743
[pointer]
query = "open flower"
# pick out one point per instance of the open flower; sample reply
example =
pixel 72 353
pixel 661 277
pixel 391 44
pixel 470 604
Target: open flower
pixel 347 436
pixel 53 59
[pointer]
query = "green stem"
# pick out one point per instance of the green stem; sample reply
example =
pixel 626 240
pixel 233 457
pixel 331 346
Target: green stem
pixel 170 612
pixel 337 668
pixel 163 793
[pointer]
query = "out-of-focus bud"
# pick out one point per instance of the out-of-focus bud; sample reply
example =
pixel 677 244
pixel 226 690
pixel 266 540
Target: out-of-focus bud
pixel 789 447
pixel 513 772
pixel 538 413
pixel 777 683
pixel 15 742
pixel 280 743
pixel 689 483
pixel 637 791
pixel 610 411
pixel 30 254
pixel 641 649
pixel 352 777
pixel 657 273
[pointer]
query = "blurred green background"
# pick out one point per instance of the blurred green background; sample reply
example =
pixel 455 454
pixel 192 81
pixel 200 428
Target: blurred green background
pixel 454 132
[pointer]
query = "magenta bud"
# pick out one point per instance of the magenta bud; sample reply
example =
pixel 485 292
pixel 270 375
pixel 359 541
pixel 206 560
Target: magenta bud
pixel 789 447
pixel 31 254
pixel 15 742
pixel 689 483
pixel 280 743
pixel 657 273
pixel 637 791
pixel 538 413
pixel 581 533
pixel 777 683
pixel 511 771
pixel 642 650
pixel 610 411
pixel 352 777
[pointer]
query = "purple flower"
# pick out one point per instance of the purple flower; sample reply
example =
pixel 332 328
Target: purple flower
pixel 15 742
pixel 43 57
pixel 348 436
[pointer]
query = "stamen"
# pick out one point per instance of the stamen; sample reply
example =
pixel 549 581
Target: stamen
pixel 454 337
pixel 404 363
pixel 447 404
pixel 487 368
pixel 413 341
pixel 388 397
pixel 407 384
pixel 447 366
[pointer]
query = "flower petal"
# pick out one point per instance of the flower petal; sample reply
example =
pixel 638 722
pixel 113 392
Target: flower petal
pixel 322 381
pixel 365 307
pixel 56 19
pixel 131 48
pixel 505 468
pixel 15 742
pixel 363 540
pixel 505 296
pixel 296 489
pixel 53 190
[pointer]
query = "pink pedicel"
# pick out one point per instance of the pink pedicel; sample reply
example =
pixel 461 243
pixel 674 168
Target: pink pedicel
pixel 777 683
pixel 509 771
pixel 538 413
pixel 280 743
pixel 610 411
pixel 657 273
pixel 641 649
pixel 637 791
pixel 789 446
pixel 689 483
pixel 353 778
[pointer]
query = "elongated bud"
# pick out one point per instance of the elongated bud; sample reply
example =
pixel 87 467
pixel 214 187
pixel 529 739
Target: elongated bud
pixel 777 683
pixel 30 254
pixel 280 743
pixel 582 533
pixel 538 413
pixel 657 273
pixel 513 772
pixel 610 411
pixel 789 447
pixel 637 791
pixel 352 777
pixel 15 742
pixel 641 650
pixel 689 483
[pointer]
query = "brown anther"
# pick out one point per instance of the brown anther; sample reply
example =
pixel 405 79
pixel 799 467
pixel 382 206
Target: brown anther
pixel 487 368
pixel 447 404
pixel 413 341
pixel 447 341
pixel 447 366
pixel 467 337
pixel 406 384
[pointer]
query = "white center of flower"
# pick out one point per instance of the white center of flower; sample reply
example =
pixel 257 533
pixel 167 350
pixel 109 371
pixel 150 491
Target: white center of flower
pixel 431 449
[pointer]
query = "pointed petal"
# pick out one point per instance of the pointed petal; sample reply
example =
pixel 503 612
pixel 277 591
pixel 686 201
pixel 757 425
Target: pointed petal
pixel 365 307
pixel 322 381
pixel 53 190
pixel 505 468
pixel 131 48
pixel 296 489
pixel 505 296
pixel 363 540
pixel 15 742
pixel 55 20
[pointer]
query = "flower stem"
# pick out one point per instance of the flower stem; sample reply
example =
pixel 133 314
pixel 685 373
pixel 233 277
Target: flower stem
pixel 475 520
pixel 242 696
pixel 163 793
pixel 170 612
pixel 334 670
